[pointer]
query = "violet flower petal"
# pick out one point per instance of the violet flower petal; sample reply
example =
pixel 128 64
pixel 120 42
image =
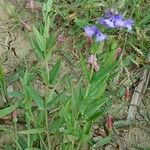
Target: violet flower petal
pixel 96 66
pixel 128 24
pixel 106 22
pixel 90 30
pixel 100 37
pixel 118 21
pixel 92 58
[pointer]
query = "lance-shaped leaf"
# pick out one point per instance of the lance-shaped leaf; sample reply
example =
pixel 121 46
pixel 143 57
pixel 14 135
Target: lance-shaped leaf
pixel 54 72
pixel 39 39
pixel 36 97
pixel 8 110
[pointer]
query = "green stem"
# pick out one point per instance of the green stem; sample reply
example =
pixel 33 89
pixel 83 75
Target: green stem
pixel 28 128
pixel 15 128
pixel 46 111
pixel 79 146
pixel 92 70
pixel 47 128
pixel 42 142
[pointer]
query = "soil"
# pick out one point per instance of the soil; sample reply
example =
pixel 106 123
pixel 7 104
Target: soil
pixel 14 46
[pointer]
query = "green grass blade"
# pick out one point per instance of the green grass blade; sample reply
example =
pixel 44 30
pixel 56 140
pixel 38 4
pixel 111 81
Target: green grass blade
pixel 39 39
pixel 32 131
pixel 36 97
pixel 8 110
pixel 84 68
pixel 54 72
pixel 2 83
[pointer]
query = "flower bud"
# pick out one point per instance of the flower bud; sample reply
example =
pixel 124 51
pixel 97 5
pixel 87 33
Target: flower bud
pixel 108 124
pixel 118 52
pixel 127 93
pixel 14 115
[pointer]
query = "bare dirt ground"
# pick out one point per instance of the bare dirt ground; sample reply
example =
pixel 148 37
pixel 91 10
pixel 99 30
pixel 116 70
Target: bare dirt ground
pixel 15 49
pixel 13 44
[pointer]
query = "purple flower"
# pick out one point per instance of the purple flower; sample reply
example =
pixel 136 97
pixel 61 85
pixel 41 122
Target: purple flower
pixel 106 22
pixel 118 21
pixel 100 37
pixel 92 60
pixel 109 13
pixel 128 24
pixel 90 30
pixel 115 20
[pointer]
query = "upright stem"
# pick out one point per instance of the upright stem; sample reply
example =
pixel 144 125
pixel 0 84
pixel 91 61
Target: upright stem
pixel 47 128
pixel 79 146
pixel 15 127
pixel 46 111
pixel 28 128
pixel 92 69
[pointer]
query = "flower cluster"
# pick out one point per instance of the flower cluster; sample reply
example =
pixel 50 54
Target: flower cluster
pixel 92 60
pixel 91 31
pixel 115 20
pixel 110 19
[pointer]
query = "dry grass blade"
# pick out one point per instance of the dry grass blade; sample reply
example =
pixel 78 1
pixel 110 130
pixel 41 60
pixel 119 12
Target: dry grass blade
pixel 138 93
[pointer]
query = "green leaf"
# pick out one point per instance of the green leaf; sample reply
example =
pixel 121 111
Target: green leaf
pixel 94 108
pixel 39 53
pixel 36 97
pixel 2 82
pixel 56 125
pixel 54 72
pixel 100 49
pixel 95 115
pixel 87 127
pixel 96 88
pixel 104 71
pixel 32 148
pixel 47 8
pixel 26 79
pixel 53 98
pixel 68 117
pixel 43 73
pixel 46 29
pixel 13 136
pixel 25 82
pixel 84 68
pixel 76 97
pixel 39 39
pixel 120 3
pixel 1 75
pixel 22 141
pixel 72 138
pixel 81 22
pixel 97 48
pixel 146 18
pixel 110 57
pixel 32 131
pixel 8 110
pixel 123 123
pixel 15 94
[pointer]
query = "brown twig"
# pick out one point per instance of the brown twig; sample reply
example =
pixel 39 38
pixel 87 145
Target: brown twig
pixel 138 93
